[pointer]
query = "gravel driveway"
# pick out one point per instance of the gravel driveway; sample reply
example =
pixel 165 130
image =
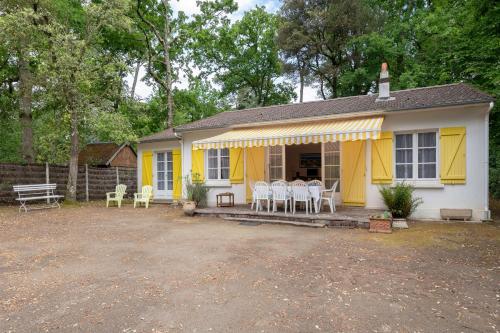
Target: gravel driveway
pixel 91 269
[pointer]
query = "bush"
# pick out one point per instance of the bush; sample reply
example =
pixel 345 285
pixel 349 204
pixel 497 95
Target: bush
pixel 399 200
pixel 196 190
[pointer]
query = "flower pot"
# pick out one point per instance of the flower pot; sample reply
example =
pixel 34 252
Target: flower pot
pixel 399 224
pixel 382 225
pixel 189 207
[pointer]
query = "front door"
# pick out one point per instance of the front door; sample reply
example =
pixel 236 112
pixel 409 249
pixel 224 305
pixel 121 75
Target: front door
pixel 164 184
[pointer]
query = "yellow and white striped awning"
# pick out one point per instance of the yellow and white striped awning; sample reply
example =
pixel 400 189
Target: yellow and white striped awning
pixel 289 134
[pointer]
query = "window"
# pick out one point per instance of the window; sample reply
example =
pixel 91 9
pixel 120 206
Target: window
pixel 404 156
pixel 164 171
pixel 427 155
pixel 416 155
pixel 275 163
pixel 218 164
pixel 332 164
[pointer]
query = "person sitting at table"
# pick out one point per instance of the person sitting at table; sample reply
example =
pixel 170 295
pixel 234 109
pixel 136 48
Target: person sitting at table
pixel 298 176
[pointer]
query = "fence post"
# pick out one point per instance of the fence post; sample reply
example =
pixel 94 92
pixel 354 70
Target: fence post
pixel 86 182
pixel 47 178
pixel 117 176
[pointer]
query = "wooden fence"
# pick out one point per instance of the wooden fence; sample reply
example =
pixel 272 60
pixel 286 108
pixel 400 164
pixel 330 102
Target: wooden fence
pixel 92 182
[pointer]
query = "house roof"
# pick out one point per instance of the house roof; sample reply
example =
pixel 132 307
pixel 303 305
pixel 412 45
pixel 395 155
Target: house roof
pixel 410 99
pixel 164 135
pixel 101 153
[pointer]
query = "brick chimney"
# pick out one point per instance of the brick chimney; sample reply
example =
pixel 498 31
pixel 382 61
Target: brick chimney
pixel 384 92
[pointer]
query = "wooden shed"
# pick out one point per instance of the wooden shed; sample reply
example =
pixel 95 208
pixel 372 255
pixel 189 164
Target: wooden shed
pixel 108 154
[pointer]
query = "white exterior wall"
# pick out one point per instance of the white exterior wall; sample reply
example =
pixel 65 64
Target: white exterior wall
pixel 216 187
pixel 435 195
pixel 152 146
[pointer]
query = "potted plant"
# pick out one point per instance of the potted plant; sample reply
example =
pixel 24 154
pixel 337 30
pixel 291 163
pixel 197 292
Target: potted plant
pixel 381 223
pixel 400 202
pixel 196 194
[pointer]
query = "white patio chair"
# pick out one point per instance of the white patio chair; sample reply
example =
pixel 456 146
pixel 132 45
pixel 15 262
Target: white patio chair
pixel 117 195
pixel 252 188
pixel 329 196
pixel 144 197
pixel 280 193
pixel 315 188
pixel 261 192
pixel 300 193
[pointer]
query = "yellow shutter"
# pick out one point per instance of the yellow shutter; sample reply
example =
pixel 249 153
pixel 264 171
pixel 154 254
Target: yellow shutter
pixel 198 165
pixel 147 168
pixel 382 159
pixel 177 173
pixel 452 152
pixel 236 165
pixel 353 160
pixel 255 160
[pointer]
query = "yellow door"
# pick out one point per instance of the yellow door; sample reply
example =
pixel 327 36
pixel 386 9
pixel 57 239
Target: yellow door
pixel 353 162
pixel 147 168
pixel 177 174
pixel 255 168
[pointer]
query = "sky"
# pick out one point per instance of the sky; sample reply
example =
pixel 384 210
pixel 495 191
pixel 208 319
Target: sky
pixel 189 7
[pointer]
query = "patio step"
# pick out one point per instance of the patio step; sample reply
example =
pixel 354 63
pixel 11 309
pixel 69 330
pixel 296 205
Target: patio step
pixel 275 221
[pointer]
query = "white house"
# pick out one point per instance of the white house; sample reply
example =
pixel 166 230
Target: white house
pixel 434 137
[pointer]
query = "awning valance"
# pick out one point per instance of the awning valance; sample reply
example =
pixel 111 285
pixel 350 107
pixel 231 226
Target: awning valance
pixel 303 133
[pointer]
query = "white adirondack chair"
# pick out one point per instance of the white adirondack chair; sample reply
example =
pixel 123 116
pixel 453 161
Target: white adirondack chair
pixel 329 196
pixel 144 197
pixel 280 193
pixel 261 192
pixel 117 195
pixel 300 193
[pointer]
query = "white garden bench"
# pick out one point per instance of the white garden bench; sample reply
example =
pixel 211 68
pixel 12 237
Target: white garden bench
pixel 29 193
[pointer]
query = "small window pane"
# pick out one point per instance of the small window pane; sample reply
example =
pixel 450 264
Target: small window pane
pixel 224 161
pixel 212 174
pixel 404 141
pixel 404 171
pixel 426 155
pixel 404 156
pixel 427 139
pixel 427 170
pixel 224 173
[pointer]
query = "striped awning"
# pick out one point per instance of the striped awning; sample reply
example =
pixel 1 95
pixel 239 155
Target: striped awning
pixel 289 134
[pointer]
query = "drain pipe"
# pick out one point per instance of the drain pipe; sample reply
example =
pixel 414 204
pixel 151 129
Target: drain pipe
pixel 178 136
pixel 487 213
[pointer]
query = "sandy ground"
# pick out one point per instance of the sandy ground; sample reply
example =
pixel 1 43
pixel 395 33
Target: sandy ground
pixel 92 269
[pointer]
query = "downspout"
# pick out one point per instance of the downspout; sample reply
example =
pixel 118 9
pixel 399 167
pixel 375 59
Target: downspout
pixel 487 213
pixel 178 136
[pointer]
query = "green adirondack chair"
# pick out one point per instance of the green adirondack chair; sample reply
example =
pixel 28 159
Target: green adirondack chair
pixel 144 197
pixel 117 195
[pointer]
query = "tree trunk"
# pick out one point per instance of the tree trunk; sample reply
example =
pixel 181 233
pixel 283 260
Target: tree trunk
pixel 168 67
pixel 301 96
pixel 73 161
pixel 322 88
pixel 25 101
pixel 136 77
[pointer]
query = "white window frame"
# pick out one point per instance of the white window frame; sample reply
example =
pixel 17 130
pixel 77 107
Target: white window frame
pixel 324 165
pixel 219 168
pixel 282 166
pixel 415 149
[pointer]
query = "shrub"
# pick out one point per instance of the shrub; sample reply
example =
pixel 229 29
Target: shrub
pixel 196 190
pixel 399 200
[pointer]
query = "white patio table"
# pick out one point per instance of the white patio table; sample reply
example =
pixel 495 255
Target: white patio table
pixel 315 192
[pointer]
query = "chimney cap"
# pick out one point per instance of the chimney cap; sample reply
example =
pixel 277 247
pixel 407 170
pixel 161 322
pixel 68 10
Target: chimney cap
pixel 384 67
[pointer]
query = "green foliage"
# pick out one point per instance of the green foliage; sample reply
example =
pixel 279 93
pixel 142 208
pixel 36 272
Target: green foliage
pixel 399 199
pixel 196 190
